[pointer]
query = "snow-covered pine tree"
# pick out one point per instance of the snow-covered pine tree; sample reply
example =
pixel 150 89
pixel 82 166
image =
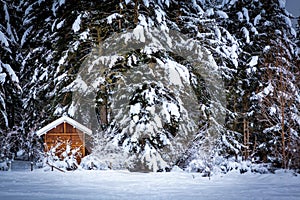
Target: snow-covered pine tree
pixel 41 73
pixel 11 134
pixel 264 26
pixel 203 20
pixel 56 36
pixel 153 15
pixel 246 15
pixel 135 122
pixel 279 91
pixel 72 37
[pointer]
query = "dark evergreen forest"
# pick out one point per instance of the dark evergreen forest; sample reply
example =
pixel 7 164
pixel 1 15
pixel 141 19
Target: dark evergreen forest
pixel 197 84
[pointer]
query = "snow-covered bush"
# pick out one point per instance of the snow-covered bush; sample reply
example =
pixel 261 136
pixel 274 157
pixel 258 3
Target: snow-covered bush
pixel 92 162
pixel 62 156
pixel 3 165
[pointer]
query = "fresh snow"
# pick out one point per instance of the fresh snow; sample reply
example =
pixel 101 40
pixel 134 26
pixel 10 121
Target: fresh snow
pixel 246 34
pixel 23 185
pixel 252 69
pixel 138 33
pixel 167 3
pixel 269 89
pixel 84 35
pixel 221 14
pixel 257 19
pixel 61 2
pixel 146 3
pixel 159 15
pixel 10 71
pixel 177 73
pixel 60 24
pixel 56 5
pixel 135 110
pixel 3 39
pixel 240 16
pixel 28 10
pixel 111 17
pixel 246 14
pixel 289 23
pixel 254 61
pixel 62 60
pixel 76 24
pixel 282 3
pixel 232 2
pixel 2 77
pixel 210 12
pixel 26 33
pixel 272 111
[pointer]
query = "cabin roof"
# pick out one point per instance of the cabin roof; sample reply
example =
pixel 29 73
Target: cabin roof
pixel 61 120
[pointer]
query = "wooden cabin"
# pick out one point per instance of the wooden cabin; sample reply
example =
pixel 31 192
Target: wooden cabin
pixel 65 132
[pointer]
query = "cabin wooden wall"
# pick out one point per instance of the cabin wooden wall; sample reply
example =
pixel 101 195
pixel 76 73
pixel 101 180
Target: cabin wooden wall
pixel 65 134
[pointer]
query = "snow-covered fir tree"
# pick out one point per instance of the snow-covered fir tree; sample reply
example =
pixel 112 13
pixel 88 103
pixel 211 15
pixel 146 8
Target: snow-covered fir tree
pixel 263 84
pixel 11 132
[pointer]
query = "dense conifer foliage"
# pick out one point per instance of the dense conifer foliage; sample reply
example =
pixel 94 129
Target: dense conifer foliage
pixel 198 84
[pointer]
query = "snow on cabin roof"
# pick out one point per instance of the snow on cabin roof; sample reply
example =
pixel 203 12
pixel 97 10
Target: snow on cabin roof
pixel 61 120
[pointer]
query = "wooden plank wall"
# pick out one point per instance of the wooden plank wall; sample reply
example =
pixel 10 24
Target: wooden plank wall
pixel 66 134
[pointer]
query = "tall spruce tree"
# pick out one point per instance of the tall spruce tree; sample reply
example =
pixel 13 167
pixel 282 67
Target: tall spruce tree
pixel 263 117
pixel 11 133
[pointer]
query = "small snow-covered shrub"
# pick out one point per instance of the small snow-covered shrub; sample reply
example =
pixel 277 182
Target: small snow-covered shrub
pixel 107 156
pixel 221 165
pixel 92 162
pixel 244 166
pixel 3 165
pixel 200 166
pixel 66 158
pixel 262 168
pixel 176 169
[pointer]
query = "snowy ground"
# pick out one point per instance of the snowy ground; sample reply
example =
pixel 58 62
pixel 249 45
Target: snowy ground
pixel 38 184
